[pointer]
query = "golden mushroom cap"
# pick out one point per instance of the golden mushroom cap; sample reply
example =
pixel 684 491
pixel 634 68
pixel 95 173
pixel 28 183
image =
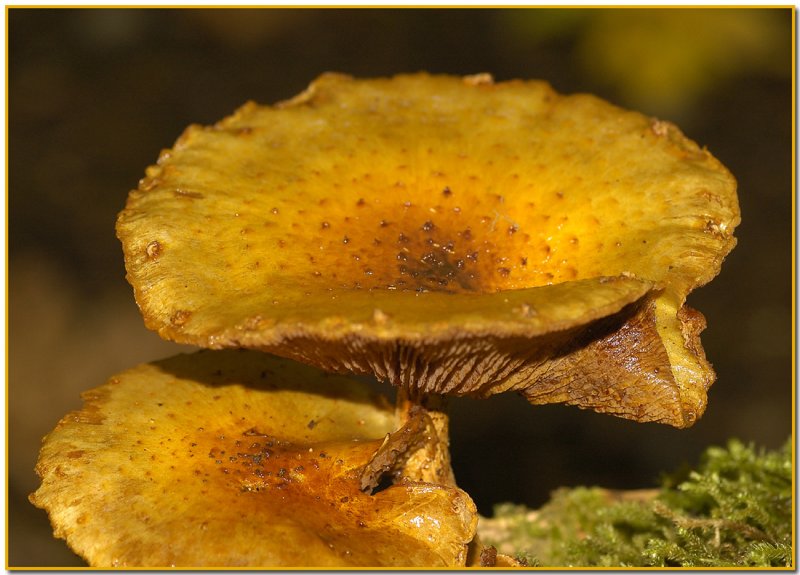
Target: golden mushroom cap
pixel 452 235
pixel 240 459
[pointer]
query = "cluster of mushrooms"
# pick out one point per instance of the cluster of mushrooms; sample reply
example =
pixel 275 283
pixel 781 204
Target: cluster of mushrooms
pixel 452 236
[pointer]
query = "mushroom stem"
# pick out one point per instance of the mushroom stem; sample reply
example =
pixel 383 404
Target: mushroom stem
pixel 430 463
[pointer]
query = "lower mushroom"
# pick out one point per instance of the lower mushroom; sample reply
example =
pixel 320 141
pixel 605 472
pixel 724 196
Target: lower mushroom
pixel 241 459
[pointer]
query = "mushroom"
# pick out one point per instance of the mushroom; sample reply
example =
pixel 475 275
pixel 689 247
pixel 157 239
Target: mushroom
pixel 452 236
pixel 449 235
pixel 237 458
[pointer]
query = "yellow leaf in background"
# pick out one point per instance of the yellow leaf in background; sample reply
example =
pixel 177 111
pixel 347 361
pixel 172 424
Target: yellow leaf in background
pixel 659 60
pixel 664 60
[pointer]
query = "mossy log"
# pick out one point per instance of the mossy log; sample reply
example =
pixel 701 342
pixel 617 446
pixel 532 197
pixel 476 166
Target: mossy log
pixel 733 510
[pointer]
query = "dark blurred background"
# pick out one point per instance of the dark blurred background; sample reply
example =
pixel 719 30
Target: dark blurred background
pixel 95 94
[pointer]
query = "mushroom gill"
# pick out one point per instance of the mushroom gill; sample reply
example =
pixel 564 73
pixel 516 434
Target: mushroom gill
pixel 449 235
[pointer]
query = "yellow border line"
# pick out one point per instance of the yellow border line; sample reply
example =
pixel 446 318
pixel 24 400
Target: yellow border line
pixel 5 287
pixel 9 7
pixel 794 290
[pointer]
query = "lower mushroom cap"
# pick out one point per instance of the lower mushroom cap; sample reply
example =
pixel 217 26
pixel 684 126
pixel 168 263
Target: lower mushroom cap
pixel 240 459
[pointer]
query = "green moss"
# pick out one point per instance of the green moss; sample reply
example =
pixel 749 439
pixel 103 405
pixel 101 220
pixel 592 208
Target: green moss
pixel 734 510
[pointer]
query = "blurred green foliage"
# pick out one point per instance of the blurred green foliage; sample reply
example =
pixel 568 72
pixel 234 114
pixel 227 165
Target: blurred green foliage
pixel 735 510
pixel 663 60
